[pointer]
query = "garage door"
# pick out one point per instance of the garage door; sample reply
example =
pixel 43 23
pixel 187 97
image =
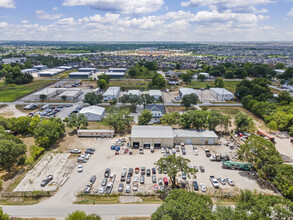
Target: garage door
pixel 135 144
pixel 146 145
pixel 188 141
pixel 211 141
pixel 157 145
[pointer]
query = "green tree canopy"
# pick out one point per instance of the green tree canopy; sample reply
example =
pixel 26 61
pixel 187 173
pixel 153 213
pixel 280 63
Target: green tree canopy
pixel 102 83
pixel 145 117
pixel 219 83
pixel 93 98
pixel 77 121
pixel 120 120
pixel 190 99
pixel 80 215
pixel 244 123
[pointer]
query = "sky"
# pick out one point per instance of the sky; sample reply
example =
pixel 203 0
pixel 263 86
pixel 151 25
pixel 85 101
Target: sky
pixel 146 20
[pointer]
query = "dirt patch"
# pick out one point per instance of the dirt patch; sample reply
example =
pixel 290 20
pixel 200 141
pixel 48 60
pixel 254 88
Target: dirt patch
pixel 130 199
pixel 11 111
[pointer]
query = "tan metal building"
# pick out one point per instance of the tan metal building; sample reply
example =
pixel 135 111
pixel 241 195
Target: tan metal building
pixel 157 136
pixel 195 137
pixel 96 133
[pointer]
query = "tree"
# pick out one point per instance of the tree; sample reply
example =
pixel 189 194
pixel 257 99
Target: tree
pixel 186 77
pixel 173 165
pixel 157 82
pixel 10 152
pixel 92 98
pixel 64 97
pixel 134 100
pixel 77 121
pixel 102 83
pixel 119 120
pixel 43 97
pixel 262 154
pixel 48 132
pixel 284 98
pixel 214 119
pixel 170 118
pixel 21 125
pixel 145 117
pixel 190 99
pixel 201 77
pixel 146 99
pixel 272 125
pixel 105 77
pixel 183 205
pixel 244 123
pixel 226 122
pixel 185 120
pixel 229 74
pixel 224 213
pixel 3 216
pixel 288 74
pixel 219 83
pixel 80 215
pixel 279 66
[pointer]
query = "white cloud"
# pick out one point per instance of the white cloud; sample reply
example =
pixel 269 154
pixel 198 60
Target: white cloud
pixel 123 6
pixel 290 13
pixel 41 14
pixel 55 9
pixel 24 22
pixel 3 25
pixel 239 6
pixel 7 4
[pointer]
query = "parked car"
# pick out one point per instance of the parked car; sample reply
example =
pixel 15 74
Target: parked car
pixel 154 179
pixel 120 187
pixel 142 179
pixel 104 182
pixel 160 181
pixel 173 151
pixel 93 179
pixel 160 171
pixel 135 179
pixel 162 188
pixel 122 179
pixel 148 172
pixel 222 181
pixel 203 187
pixel 107 173
pixel 79 168
pixel 142 169
pixel 46 180
pixel 135 186
pixel 214 182
pixel 183 152
pixel 75 151
pixel 195 186
pixel 196 168
pixel 128 179
pixel 229 181
pixel 128 188
pixel 183 175
pixel 87 188
pixel 156 188
pixel 195 152
pixel 201 169
pixel 101 190
pixel 130 171
pixel 88 151
pixel 154 170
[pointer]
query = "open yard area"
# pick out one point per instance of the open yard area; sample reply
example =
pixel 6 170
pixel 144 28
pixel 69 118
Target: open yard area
pixel 130 84
pixel 10 93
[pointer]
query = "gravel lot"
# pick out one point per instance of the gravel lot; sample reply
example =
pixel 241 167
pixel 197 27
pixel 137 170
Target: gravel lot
pixel 55 164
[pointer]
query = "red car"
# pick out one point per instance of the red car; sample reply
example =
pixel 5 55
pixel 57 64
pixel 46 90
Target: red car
pixel 156 188
pixel 165 179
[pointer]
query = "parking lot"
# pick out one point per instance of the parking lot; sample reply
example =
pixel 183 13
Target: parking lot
pixel 105 158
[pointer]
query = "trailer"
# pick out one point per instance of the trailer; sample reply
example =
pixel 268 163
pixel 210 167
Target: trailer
pixel 237 165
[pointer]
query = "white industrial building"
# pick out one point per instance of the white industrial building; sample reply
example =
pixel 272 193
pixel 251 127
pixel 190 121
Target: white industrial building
pixel 71 94
pixel 111 93
pixel 65 67
pixel 49 92
pixel 165 136
pixel 93 70
pixel 80 74
pixel 28 71
pixel 186 91
pixel 50 72
pixel 96 133
pixel 116 72
pixel 221 94
pixel 134 92
pixel 156 94
pixel 93 113
pixel 40 67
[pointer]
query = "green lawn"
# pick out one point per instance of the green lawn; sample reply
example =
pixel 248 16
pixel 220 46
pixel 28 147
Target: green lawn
pixel 229 85
pixel 128 84
pixel 12 92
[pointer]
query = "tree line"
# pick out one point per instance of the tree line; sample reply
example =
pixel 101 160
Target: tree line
pixel 13 74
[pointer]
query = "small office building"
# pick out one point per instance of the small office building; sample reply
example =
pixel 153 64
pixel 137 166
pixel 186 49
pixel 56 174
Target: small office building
pixel 221 94
pixel 96 133
pixel 156 94
pixel 93 113
pixel 186 91
pixel 111 93
pixel 71 94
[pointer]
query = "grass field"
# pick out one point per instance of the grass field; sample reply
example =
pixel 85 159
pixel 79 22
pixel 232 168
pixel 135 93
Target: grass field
pixel 129 84
pixel 229 85
pixel 12 92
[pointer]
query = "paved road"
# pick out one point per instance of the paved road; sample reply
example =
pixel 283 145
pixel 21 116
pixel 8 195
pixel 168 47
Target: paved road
pixel 57 211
